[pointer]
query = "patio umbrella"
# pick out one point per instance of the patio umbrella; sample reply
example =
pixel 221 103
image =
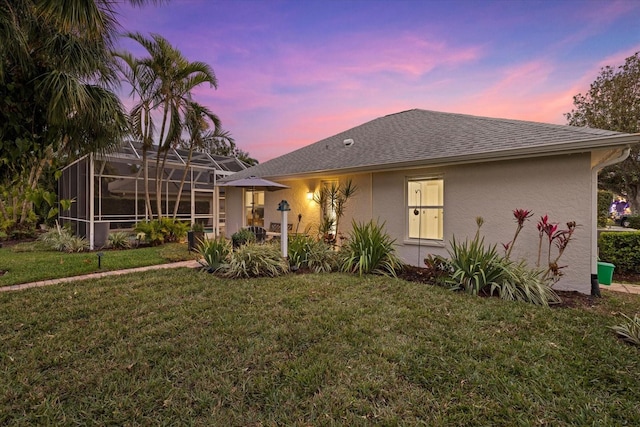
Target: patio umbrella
pixel 255 184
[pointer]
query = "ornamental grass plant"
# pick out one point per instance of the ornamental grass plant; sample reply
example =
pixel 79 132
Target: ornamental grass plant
pixel 255 260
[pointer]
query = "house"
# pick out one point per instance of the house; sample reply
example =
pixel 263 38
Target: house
pixel 427 175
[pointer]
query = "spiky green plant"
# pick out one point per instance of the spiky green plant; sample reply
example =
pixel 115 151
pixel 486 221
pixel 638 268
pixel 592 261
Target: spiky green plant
pixel 521 283
pixel 298 249
pixel 475 267
pixel 306 252
pixel 256 260
pixel 61 239
pixel 369 249
pixel 629 330
pixel 119 240
pixel 215 253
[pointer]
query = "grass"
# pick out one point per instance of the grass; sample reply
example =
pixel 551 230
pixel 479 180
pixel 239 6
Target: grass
pixel 29 262
pixel 183 347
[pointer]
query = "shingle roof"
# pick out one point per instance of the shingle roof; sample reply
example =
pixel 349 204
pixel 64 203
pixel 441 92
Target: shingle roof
pixel 415 137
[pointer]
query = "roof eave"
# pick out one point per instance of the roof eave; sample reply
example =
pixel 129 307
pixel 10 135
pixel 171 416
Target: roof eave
pixel 616 141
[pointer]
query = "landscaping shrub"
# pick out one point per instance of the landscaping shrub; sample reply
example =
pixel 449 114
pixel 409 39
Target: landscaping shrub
pixel 242 237
pixel 306 252
pixel 118 240
pixel 256 260
pixel 605 198
pixel 369 249
pixel 439 270
pixel 521 283
pixel 475 267
pixel 165 230
pixel 60 239
pixel 174 230
pixel 479 269
pixel 215 253
pixel 621 249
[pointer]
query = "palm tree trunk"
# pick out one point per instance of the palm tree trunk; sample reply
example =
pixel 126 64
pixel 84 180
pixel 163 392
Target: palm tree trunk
pixel 145 174
pixel 161 143
pixel 182 181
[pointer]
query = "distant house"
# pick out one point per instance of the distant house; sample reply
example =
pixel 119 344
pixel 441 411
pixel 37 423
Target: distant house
pixel 429 174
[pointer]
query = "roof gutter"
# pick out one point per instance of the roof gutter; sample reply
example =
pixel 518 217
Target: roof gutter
pixel 608 159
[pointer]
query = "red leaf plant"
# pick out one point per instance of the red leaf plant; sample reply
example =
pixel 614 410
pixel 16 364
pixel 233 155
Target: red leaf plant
pixel 520 215
pixel 546 231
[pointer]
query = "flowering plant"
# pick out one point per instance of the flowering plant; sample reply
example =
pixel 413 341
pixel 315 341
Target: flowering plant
pixel 549 232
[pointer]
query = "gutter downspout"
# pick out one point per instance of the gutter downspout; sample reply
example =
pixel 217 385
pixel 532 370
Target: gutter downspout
pixel 616 156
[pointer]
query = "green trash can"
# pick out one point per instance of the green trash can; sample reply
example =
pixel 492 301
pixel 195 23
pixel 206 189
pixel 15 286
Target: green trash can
pixel 605 273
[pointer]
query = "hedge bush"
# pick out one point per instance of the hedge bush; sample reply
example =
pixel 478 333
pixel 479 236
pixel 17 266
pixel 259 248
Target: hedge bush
pixel 621 249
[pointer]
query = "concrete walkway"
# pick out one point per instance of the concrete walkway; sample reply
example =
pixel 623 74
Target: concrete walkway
pixel 619 287
pixel 186 264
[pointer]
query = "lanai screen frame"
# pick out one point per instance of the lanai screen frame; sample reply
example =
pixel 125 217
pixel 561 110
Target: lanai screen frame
pixel 88 179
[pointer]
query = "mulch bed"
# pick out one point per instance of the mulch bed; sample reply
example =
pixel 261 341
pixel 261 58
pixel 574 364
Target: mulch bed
pixel 570 299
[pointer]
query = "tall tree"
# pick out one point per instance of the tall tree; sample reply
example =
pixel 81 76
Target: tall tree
pixel 613 103
pixel 173 78
pixel 198 122
pixel 222 145
pixel 56 76
pixel 142 124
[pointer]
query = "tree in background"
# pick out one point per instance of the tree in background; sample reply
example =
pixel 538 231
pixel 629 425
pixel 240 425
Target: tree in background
pixel 221 144
pixel 56 97
pixel 613 103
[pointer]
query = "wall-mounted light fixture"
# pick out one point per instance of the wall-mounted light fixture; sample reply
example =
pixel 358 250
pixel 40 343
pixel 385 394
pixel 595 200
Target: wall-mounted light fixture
pixel 310 195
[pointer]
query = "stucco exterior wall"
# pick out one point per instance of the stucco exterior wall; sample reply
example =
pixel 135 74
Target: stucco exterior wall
pixel 559 187
pixel 359 207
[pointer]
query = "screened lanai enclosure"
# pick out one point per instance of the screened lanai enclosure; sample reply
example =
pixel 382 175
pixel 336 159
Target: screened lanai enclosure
pixel 108 190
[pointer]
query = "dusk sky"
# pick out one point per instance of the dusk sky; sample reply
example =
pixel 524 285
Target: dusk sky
pixel 291 73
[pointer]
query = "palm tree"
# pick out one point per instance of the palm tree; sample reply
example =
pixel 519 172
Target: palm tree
pixel 174 77
pixel 198 121
pixel 142 125
pixel 56 78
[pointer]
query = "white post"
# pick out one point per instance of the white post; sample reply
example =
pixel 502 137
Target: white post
pixel 92 194
pixel 284 240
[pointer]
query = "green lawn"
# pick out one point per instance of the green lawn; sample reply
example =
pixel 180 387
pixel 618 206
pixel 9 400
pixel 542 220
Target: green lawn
pixel 29 263
pixel 183 347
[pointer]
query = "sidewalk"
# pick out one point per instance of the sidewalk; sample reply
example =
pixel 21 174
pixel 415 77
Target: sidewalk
pixel 186 264
pixel 619 287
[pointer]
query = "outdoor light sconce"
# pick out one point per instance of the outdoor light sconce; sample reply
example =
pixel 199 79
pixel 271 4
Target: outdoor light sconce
pixel 310 195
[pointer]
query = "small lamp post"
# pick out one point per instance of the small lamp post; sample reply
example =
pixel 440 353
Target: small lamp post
pixel 284 207
pixel 100 255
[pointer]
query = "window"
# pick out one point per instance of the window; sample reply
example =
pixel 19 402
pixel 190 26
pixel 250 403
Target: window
pixel 254 207
pixel 425 208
